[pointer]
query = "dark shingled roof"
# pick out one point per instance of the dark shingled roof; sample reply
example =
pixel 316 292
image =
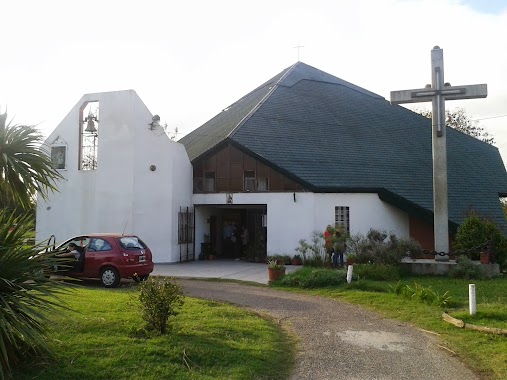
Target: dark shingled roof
pixel 333 136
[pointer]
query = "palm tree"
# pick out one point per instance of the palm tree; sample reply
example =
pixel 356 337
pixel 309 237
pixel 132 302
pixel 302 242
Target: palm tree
pixel 26 290
pixel 25 166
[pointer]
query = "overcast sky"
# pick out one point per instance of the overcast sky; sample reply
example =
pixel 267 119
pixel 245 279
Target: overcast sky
pixel 188 60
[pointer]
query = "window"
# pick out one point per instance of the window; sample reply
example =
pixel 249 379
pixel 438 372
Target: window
pixel 262 184
pixel 99 245
pixel 249 180
pixel 341 218
pixel 131 242
pixel 185 226
pixel 89 130
pixel 209 181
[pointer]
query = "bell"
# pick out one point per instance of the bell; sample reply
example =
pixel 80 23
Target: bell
pixel 90 126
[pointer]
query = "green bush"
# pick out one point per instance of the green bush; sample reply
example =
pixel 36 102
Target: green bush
pixel 475 232
pixel 377 272
pixel 314 254
pixel 368 286
pixel 314 278
pixel 466 269
pixel 379 247
pixel 160 299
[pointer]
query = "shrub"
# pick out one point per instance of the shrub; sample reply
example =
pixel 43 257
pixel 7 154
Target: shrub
pixel 466 269
pixel 314 278
pixel 379 247
pixel 377 272
pixel 160 299
pixel 368 286
pixel 314 254
pixel 475 232
pixel 421 294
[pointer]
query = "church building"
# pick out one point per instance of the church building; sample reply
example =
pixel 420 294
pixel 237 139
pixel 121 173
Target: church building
pixel 301 151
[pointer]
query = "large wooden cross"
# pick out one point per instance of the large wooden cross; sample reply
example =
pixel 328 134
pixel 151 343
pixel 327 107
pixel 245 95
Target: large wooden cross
pixel 438 92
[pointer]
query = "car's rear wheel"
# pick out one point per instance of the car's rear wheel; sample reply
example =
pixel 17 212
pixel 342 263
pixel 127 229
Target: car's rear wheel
pixel 109 277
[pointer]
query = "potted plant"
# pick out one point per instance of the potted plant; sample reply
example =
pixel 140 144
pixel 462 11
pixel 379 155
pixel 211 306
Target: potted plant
pixel 485 257
pixel 351 259
pixel 275 270
pixel 296 260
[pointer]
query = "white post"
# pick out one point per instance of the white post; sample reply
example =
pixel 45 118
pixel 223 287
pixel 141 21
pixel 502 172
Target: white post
pixel 471 298
pixel 349 274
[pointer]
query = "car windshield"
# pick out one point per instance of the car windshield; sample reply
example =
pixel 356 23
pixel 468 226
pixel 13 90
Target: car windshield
pixel 131 242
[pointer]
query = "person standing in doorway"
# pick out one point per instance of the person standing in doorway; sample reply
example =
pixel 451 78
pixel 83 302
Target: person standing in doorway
pixel 245 238
pixel 340 245
pixel 328 238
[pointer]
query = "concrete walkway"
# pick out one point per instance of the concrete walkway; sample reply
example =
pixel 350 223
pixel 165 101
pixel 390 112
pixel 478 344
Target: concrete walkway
pixel 337 340
pixel 228 269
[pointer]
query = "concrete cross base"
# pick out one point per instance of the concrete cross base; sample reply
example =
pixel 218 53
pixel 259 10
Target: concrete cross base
pixel 441 268
pixel 441 258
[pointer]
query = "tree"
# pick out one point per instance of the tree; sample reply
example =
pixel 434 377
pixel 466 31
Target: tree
pixel 459 120
pixel 25 167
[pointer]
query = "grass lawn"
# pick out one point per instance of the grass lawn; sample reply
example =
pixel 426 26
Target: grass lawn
pixel 486 354
pixel 100 339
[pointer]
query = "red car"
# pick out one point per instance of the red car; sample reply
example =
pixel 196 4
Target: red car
pixel 110 257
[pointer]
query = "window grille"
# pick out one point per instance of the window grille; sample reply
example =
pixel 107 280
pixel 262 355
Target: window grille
pixel 186 226
pixel 341 218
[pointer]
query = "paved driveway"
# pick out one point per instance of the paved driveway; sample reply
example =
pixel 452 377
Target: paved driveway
pixel 341 341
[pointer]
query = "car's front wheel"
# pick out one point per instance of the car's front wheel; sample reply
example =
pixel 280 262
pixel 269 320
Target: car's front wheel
pixel 109 277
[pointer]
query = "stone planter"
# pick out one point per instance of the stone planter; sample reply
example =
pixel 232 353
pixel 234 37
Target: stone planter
pixel 275 274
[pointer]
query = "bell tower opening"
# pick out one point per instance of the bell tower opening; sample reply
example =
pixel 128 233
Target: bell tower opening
pixel 88 135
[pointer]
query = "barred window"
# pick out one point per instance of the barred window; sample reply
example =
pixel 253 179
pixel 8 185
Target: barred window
pixel 341 218
pixel 186 226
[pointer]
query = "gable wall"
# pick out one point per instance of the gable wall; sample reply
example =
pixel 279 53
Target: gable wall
pixel 122 194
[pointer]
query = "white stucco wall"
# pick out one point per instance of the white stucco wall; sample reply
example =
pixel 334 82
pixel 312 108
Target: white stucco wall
pixel 289 221
pixel 123 194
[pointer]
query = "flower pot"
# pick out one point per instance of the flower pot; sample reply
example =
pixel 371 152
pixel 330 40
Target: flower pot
pixel 275 274
pixel 211 257
pixel 485 258
pixel 297 262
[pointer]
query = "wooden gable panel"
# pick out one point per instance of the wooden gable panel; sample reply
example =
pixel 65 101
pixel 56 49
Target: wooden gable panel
pixel 262 170
pixel 223 156
pixel 276 181
pixel 249 163
pixel 236 170
pixel 236 184
pixel 235 155
pixel 210 163
pixel 222 185
pixel 223 170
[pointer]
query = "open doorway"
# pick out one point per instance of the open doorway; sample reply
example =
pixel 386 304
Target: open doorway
pixel 232 231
